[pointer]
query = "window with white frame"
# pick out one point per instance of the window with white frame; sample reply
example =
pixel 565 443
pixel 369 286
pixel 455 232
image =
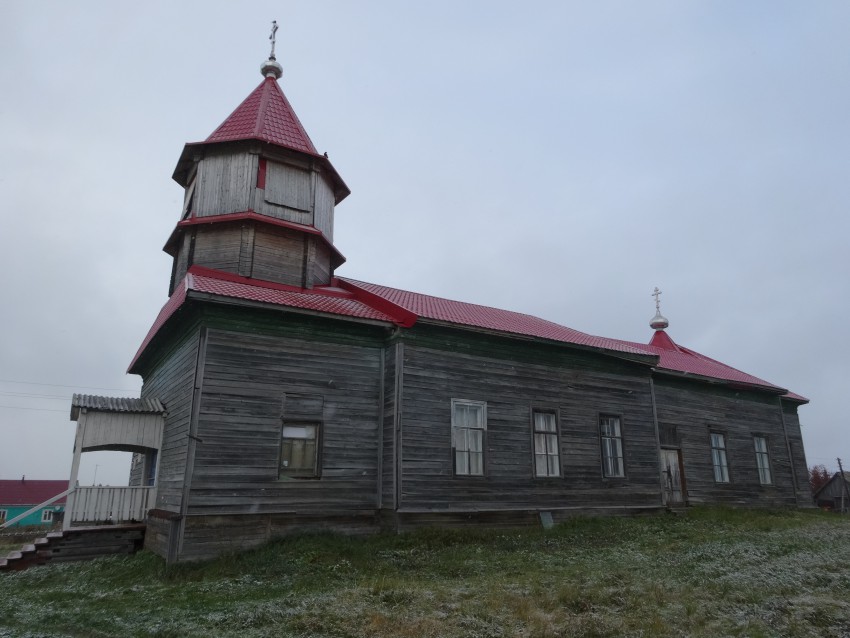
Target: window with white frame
pixel 299 450
pixel 469 429
pixel 46 516
pixel 3 514
pixel 762 460
pixel 718 457
pixel 547 460
pixel 611 439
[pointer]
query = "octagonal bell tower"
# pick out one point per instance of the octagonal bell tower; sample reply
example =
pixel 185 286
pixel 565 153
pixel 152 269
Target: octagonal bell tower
pixel 259 199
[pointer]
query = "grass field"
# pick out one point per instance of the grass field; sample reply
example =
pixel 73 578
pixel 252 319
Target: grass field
pixel 714 572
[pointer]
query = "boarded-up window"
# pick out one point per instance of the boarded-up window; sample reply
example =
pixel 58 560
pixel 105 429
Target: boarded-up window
pixel 288 186
pixel 762 460
pixel 299 450
pixel 469 428
pixel 718 457
pixel 611 439
pixel 546 452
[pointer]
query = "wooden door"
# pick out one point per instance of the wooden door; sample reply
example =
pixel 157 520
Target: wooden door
pixel 671 473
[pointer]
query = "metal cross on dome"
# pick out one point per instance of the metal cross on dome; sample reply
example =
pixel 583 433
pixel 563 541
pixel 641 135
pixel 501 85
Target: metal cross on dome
pixel 657 293
pixel 273 38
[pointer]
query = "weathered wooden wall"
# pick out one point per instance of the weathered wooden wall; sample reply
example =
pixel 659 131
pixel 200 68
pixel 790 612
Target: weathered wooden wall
pixel 225 183
pixel 383 399
pixel 170 378
pixel 391 418
pixel 279 256
pixel 514 378
pixel 247 379
pixel 695 409
pixel 798 452
pixel 251 249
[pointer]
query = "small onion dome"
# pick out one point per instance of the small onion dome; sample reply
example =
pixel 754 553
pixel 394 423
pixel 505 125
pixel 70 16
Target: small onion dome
pixel 659 322
pixel 271 68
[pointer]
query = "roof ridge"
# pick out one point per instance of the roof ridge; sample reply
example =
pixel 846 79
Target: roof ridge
pixel 260 123
pixel 265 115
pixel 465 303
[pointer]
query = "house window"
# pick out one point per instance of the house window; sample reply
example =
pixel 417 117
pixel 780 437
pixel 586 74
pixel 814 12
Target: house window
pixel 611 436
pixel 46 516
pixel 469 426
pixel 3 515
pixel 762 460
pixel 299 450
pixel 546 453
pixel 718 458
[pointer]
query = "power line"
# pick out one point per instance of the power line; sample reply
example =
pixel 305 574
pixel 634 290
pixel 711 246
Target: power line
pixel 17 407
pixel 29 395
pixel 56 385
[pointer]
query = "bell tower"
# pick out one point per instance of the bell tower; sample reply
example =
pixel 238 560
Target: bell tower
pixel 259 199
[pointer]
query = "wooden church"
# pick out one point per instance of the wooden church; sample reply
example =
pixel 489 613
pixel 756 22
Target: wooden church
pixel 292 399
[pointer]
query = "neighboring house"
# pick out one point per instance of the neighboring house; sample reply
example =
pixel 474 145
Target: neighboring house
pixel 835 493
pixel 298 400
pixel 16 497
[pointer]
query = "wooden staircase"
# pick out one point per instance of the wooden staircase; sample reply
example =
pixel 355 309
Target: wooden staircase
pixel 77 543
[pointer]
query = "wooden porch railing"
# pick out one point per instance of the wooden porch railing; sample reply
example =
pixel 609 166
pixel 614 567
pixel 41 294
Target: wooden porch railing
pixel 103 504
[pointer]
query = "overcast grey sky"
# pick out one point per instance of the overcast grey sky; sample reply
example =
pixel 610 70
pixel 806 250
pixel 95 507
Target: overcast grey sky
pixel 555 158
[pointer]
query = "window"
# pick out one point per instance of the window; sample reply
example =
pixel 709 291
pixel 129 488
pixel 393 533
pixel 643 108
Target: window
pixel 469 425
pixel 762 460
pixel 3 515
pixel 546 453
pixel 718 458
pixel 612 446
pixel 46 516
pixel 299 450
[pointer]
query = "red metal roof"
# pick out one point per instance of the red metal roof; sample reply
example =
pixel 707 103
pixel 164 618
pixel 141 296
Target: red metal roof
pixel 326 299
pixel 676 358
pixel 333 301
pixel 29 492
pixel 265 115
pixel 352 298
pixel 473 315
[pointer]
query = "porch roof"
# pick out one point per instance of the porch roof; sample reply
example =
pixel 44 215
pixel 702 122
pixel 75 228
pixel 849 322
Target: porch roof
pixel 114 404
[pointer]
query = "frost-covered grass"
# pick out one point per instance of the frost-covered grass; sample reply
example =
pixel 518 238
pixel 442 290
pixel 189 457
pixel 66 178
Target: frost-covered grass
pixel 712 573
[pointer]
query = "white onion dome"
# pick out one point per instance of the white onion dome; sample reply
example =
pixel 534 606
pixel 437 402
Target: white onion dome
pixel 659 321
pixel 271 68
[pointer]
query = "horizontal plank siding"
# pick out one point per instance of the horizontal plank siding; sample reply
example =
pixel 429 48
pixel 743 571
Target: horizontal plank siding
pixel 246 380
pixel 695 410
pixel 171 381
pixel 578 388
pixel 798 454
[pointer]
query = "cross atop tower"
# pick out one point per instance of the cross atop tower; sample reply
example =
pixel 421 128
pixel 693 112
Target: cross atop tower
pixel 658 322
pixel 273 39
pixel 657 293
